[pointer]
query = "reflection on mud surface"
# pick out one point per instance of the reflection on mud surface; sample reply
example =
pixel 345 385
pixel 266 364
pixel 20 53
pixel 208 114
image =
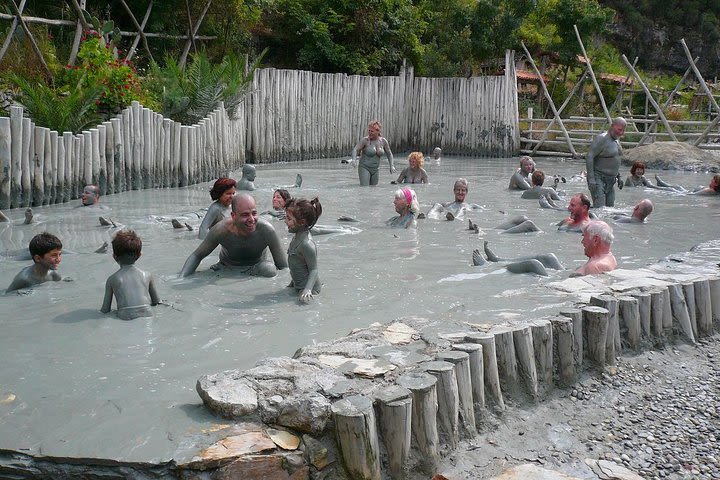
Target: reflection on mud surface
pixel 90 385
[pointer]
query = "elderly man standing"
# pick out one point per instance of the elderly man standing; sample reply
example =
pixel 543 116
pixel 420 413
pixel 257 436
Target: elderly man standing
pixel 603 164
pixel 245 240
pixel 597 239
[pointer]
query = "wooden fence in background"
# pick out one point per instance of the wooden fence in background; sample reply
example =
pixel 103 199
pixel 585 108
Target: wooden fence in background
pixel 288 115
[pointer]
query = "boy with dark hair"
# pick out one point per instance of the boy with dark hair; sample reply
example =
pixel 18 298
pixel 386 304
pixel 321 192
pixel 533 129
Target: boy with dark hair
pixel 133 288
pixel 46 252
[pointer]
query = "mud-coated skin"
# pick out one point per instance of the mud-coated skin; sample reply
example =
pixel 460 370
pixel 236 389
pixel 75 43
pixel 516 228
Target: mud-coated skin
pixel 33 275
pixel 216 213
pixel 241 251
pixel 134 292
pixel 302 260
pixel 370 152
pixel 603 164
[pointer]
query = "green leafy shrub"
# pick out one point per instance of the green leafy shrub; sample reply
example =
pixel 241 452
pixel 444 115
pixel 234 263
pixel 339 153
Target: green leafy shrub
pixel 98 66
pixel 189 95
pixel 63 110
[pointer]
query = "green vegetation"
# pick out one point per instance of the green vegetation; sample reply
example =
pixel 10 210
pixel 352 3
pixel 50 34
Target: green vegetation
pixel 373 37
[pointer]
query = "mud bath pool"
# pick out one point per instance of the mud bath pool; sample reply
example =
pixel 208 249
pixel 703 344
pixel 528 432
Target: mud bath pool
pixel 91 385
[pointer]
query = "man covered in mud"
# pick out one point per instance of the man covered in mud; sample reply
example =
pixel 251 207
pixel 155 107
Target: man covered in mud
pixel 244 240
pixel 603 164
pixel 641 211
pixel 456 208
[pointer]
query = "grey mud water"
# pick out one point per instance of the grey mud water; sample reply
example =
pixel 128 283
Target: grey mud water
pixel 86 384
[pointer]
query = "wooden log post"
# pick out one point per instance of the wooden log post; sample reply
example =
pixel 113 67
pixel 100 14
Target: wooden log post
pixel 667 311
pixel 563 350
pixel 87 160
pixel 95 155
pixel 16 135
pixel 714 285
pixel 461 362
pixel 629 314
pixel 525 355
pixel 137 145
pixel 146 165
pixel 109 156
pixel 704 310
pixel 576 316
pixel 423 388
pixel 448 400
pixel 475 356
pixel 643 299
pixel 118 149
pixel 688 290
pixel 542 336
pixel 506 359
pixel 357 436
pixel 62 164
pixel 5 162
pixel 26 162
pixel 38 189
pixel 102 174
pixel 595 323
pixel 69 143
pixel 176 155
pixel 610 303
pixel 52 146
pixel 657 309
pixel 491 375
pixel 78 152
pixel 394 412
pixel 680 311
pixel 184 159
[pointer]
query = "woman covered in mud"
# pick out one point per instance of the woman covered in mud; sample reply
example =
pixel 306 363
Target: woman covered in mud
pixel 407 207
pixel 370 149
pixel 414 172
pixel 222 192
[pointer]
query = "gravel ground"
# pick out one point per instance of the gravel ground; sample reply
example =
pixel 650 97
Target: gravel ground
pixel 657 415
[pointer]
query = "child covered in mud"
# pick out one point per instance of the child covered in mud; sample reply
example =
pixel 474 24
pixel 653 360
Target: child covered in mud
pixel 301 215
pixel 133 288
pixel 46 251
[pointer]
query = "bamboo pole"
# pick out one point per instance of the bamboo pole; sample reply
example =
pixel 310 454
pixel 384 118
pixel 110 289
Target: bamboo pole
pixel 556 115
pixel 560 110
pixel 192 32
pixel 621 90
pixel 11 31
pixel 668 101
pixel 592 75
pixel 31 38
pixel 650 98
pixel 140 29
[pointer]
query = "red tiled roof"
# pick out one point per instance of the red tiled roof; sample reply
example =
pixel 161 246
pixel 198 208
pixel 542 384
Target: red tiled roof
pixel 611 77
pixel 529 76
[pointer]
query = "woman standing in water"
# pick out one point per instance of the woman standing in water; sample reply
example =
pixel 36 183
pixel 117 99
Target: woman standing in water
pixel 300 217
pixel 222 192
pixel 414 172
pixel 370 149
pixel 406 205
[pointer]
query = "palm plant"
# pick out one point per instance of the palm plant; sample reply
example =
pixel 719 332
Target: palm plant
pixel 190 95
pixel 71 111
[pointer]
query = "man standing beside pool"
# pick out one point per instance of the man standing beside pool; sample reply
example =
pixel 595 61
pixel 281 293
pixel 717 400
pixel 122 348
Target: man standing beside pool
pixel 603 164
pixel 244 240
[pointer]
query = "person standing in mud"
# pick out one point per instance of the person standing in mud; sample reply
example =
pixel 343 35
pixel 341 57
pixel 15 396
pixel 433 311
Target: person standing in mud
pixel 603 164
pixel 370 149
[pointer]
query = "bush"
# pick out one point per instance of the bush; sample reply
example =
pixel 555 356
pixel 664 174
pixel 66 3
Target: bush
pixel 98 66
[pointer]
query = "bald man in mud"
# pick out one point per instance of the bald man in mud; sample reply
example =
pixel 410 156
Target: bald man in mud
pixel 244 240
pixel 603 164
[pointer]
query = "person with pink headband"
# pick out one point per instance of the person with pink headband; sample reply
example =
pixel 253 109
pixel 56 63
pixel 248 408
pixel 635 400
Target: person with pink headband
pixel 407 207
